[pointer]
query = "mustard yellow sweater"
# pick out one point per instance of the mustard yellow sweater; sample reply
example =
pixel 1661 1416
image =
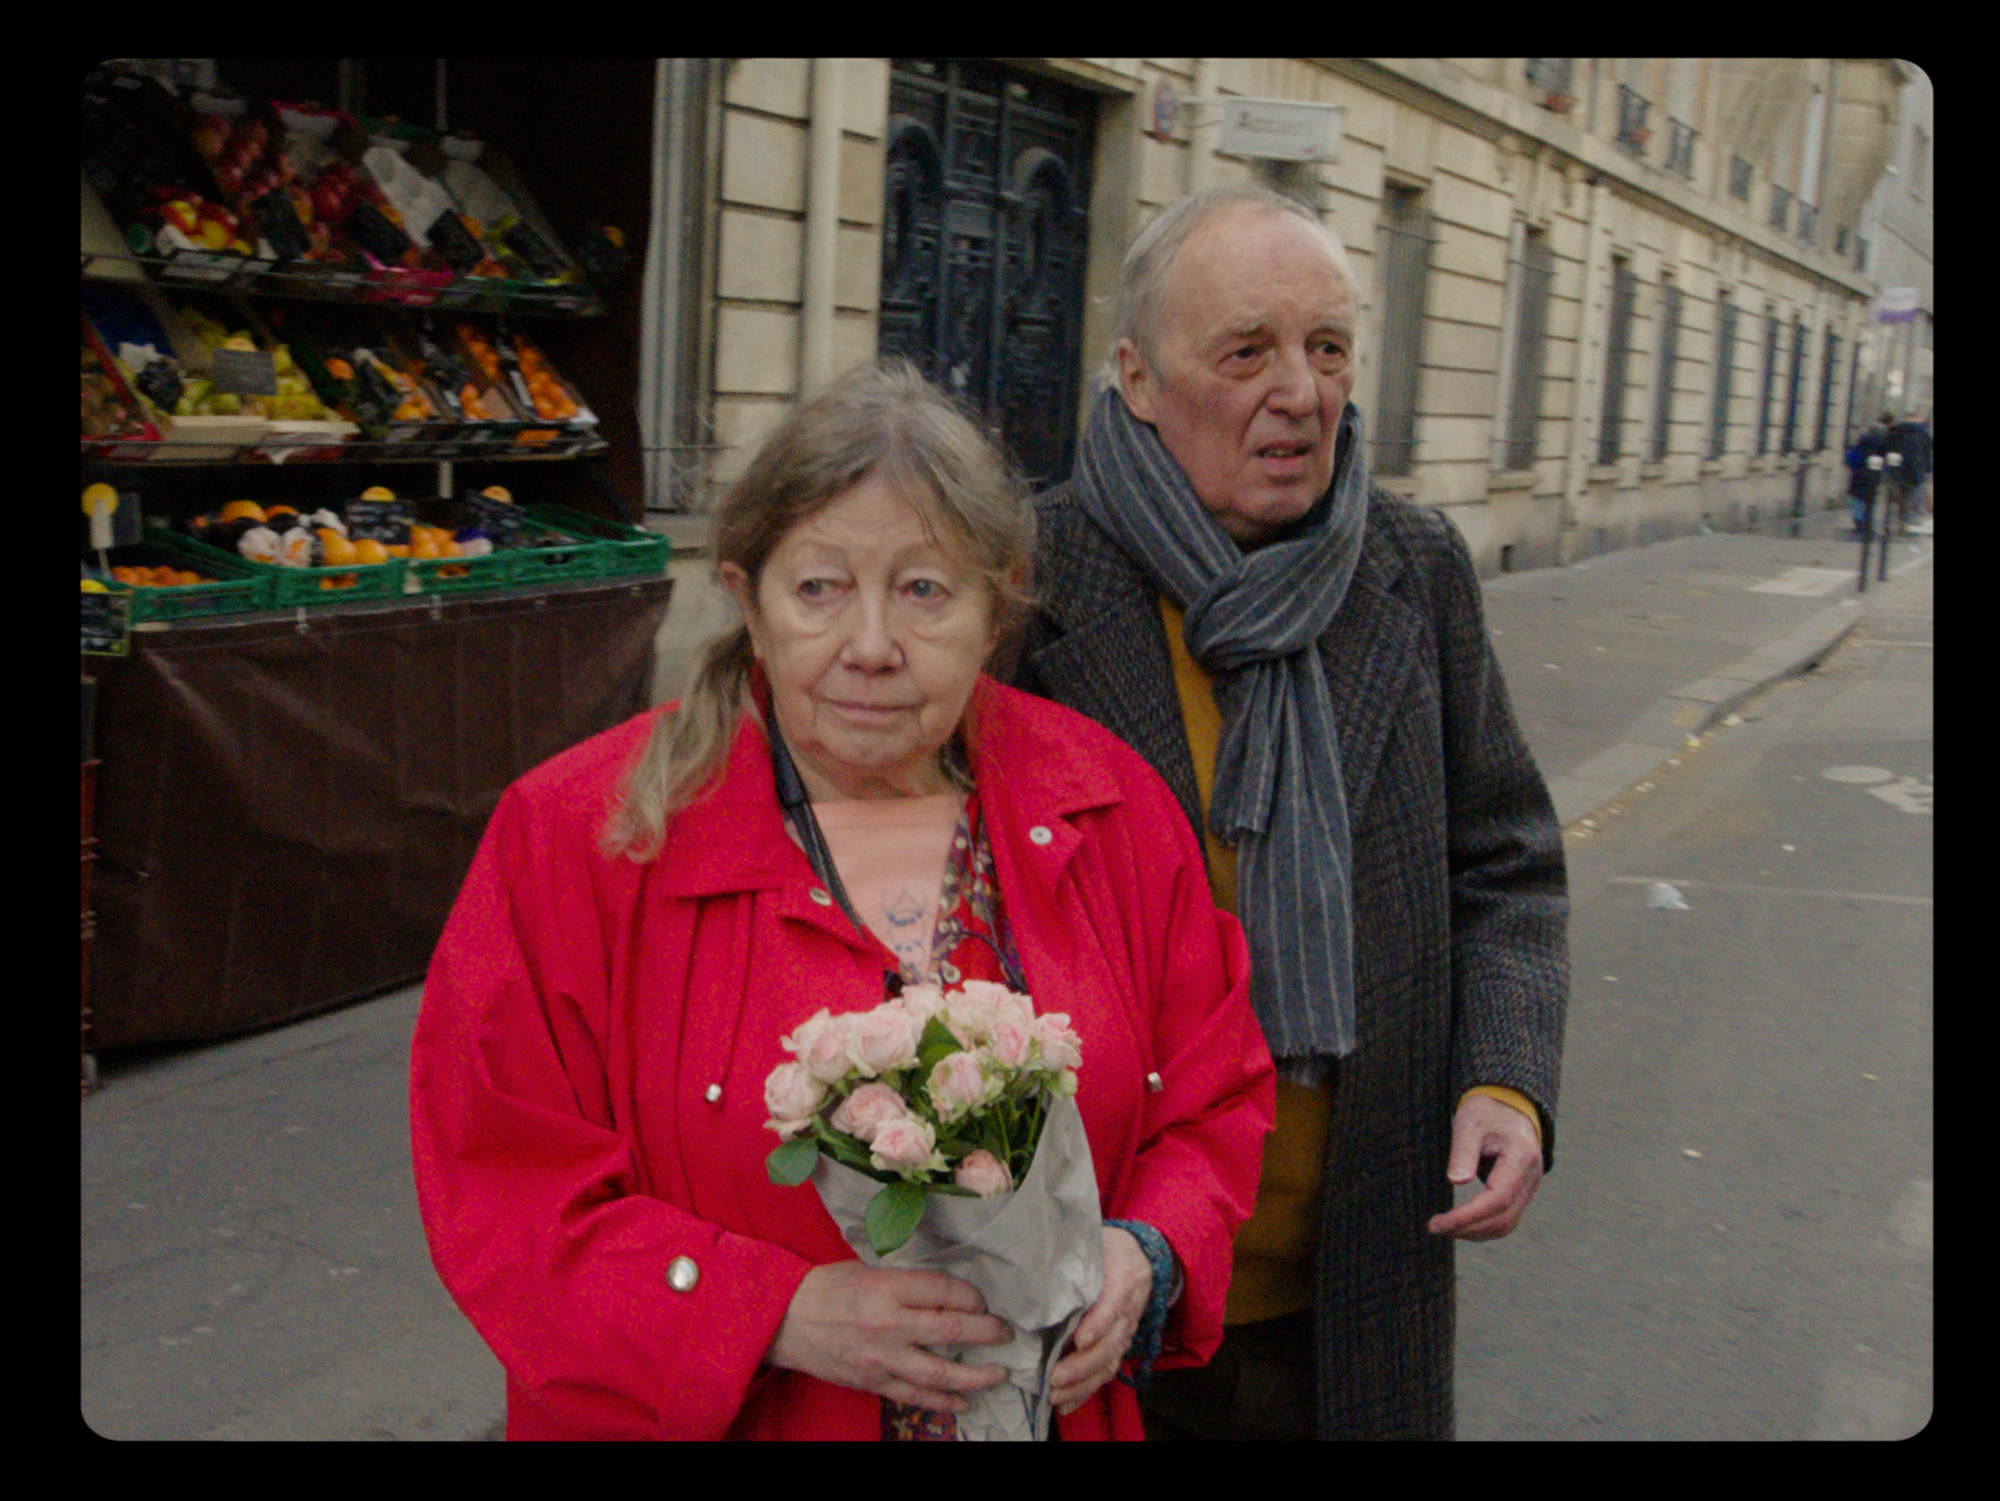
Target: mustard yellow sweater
pixel 1273 1273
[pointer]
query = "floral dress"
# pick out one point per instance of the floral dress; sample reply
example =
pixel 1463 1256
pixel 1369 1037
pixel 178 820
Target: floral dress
pixel 969 942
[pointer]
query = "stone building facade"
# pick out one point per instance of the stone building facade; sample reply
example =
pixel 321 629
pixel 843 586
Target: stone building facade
pixel 1603 301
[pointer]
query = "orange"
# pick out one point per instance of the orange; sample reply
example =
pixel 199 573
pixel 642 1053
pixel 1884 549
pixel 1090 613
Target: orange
pixel 336 548
pixel 399 550
pixel 368 550
pixel 449 548
pixel 124 575
pixel 424 547
pixel 237 509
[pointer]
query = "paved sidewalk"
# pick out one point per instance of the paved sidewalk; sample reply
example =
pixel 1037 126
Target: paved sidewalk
pixel 1614 662
pixel 252 1262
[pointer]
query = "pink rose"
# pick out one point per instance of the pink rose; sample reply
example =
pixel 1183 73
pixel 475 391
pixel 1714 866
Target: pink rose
pixel 958 1083
pixel 820 1045
pixel 904 1146
pixel 983 1173
pixel 1012 1042
pixel 1061 1047
pixel 882 1039
pixel 922 1002
pixel 791 1095
pixel 969 1014
pixel 1012 1006
pixel 868 1109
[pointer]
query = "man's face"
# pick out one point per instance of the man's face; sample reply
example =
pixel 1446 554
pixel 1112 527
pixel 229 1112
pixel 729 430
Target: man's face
pixel 1253 369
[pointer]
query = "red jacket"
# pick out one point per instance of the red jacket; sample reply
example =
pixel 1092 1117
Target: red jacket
pixel 579 1008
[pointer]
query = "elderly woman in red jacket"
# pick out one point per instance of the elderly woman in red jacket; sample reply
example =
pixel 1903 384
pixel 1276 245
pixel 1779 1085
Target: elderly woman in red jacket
pixel 842 803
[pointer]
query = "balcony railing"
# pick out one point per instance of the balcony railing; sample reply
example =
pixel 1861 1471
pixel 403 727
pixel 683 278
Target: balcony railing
pixel 1680 149
pixel 1841 236
pixel 1739 178
pixel 1550 77
pixel 1808 224
pixel 1632 131
pixel 1781 207
pixel 1860 254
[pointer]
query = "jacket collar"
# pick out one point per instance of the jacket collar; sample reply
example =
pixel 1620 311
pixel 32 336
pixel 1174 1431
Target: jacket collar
pixel 734 839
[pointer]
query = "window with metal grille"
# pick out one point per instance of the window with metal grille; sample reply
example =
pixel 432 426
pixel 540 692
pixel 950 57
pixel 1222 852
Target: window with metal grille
pixel 1680 148
pixel 1406 259
pixel 1808 223
pixel 1663 383
pixel 1617 359
pixel 1739 178
pixel 1841 235
pixel 1632 108
pixel 1725 371
pixel 1550 75
pixel 1531 327
pixel 1781 207
pixel 1828 363
pixel 1860 254
pixel 1793 385
pixel 1768 383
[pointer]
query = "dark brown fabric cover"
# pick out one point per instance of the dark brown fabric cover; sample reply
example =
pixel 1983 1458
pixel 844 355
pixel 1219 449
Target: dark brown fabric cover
pixel 1461 957
pixel 285 815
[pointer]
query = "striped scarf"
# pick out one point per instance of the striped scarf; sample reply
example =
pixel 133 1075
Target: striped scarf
pixel 1254 621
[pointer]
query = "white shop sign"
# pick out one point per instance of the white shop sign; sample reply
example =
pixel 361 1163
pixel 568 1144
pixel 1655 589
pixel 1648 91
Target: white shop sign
pixel 1281 129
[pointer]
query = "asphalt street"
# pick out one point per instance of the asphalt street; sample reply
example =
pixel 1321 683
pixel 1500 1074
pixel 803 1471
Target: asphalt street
pixel 1736 1241
pixel 252 1264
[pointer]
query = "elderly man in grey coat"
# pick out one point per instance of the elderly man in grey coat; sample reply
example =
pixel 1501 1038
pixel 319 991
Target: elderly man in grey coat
pixel 1303 658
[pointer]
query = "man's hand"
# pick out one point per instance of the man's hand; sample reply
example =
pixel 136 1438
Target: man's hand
pixel 1485 1128
pixel 1105 1333
pixel 865 1327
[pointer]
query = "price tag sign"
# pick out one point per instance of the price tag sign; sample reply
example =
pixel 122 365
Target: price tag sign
pixel 500 520
pixel 384 520
pixel 107 624
pixel 246 372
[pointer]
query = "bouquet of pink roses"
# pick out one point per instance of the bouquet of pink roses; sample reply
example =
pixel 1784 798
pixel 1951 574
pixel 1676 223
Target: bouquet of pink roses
pixel 941 1132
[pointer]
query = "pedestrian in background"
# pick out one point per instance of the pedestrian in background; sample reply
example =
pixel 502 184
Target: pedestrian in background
pixel 1302 657
pixel 1864 479
pixel 1910 439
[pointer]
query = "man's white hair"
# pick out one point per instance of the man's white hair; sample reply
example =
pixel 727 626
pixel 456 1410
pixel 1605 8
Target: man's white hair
pixel 1142 280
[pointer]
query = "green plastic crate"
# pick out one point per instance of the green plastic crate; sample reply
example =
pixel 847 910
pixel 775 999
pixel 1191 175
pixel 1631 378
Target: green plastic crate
pixel 575 557
pixel 621 549
pixel 496 570
pixel 239 586
pixel 288 588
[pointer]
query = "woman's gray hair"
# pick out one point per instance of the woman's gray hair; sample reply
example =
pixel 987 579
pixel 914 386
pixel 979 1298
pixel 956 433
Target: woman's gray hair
pixel 888 421
pixel 1142 280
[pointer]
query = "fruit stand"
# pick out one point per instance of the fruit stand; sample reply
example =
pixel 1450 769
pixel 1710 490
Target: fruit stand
pixel 329 613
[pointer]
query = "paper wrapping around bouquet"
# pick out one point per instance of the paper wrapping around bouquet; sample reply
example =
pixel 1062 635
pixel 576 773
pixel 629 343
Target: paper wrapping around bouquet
pixel 1035 1254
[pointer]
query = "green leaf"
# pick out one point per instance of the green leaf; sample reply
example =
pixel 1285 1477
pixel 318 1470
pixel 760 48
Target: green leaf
pixel 791 1164
pixel 845 1149
pixel 892 1216
pixel 935 1045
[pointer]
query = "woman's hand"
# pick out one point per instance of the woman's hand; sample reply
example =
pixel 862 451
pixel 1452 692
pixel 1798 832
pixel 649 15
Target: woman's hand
pixel 1106 1331
pixel 863 1327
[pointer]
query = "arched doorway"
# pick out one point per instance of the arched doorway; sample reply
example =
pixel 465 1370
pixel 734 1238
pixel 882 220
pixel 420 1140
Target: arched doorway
pixel 984 237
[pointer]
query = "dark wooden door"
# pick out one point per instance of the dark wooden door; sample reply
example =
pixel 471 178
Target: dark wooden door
pixel 984 237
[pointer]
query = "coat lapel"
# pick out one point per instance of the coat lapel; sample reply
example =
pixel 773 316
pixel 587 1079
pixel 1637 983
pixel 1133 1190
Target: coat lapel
pixel 1369 654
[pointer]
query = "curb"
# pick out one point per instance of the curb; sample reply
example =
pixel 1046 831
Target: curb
pixel 1690 710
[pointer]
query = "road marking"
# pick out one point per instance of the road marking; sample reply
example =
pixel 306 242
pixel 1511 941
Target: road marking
pixel 1911 794
pixel 1807 582
pixel 1913 563
pixel 1911 1221
pixel 1860 775
pixel 1837 896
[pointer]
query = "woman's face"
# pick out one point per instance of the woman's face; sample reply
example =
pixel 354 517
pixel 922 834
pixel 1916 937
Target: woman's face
pixel 872 636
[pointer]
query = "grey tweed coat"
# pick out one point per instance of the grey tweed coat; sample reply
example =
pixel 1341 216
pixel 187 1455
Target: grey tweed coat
pixel 1460 909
